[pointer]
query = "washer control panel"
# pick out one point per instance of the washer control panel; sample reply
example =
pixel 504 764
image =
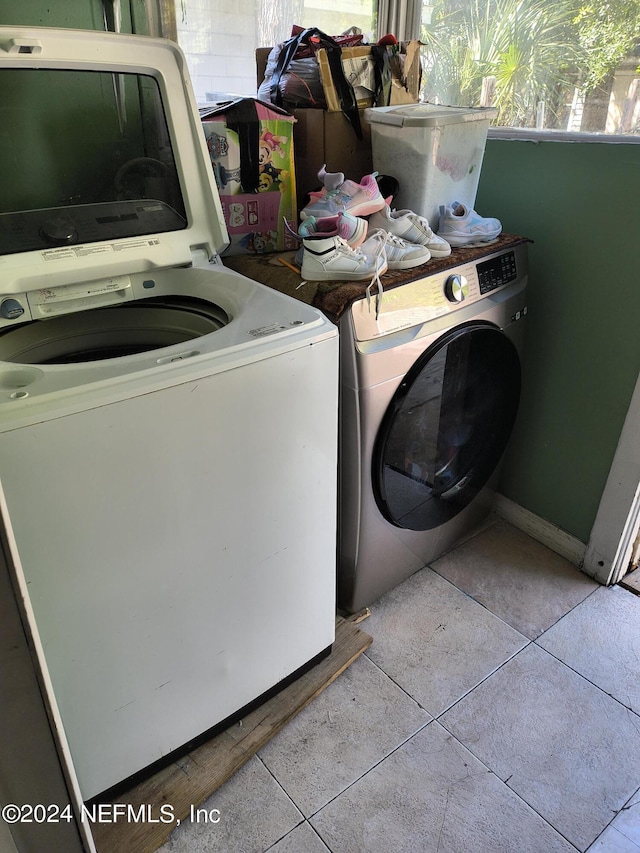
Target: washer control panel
pixel 89 223
pixel 496 271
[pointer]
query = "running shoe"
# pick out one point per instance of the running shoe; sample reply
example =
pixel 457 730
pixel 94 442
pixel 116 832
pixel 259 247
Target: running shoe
pixel 357 199
pixel 461 226
pixel 410 227
pixel 350 228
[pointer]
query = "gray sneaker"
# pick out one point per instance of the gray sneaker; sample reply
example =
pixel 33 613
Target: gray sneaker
pixel 400 254
pixel 410 227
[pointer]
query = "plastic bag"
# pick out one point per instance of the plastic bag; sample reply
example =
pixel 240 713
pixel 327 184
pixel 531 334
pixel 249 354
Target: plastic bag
pixel 301 86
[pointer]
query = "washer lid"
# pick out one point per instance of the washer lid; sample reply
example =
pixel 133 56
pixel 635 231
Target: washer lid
pixel 103 162
pixel 427 115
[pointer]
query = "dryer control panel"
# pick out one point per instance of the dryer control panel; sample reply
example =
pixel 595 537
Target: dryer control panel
pixel 496 271
pixel 434 297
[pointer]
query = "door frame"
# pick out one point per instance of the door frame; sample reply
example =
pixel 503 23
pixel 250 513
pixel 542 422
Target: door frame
pixel 617 522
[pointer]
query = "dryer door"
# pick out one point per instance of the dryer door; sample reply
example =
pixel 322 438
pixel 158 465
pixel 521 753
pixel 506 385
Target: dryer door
pixel 446 427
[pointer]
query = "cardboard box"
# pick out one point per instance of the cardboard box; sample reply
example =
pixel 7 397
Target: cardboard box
pixel 358 67
pixel 253 213
pixel 322 137
pixel 357 64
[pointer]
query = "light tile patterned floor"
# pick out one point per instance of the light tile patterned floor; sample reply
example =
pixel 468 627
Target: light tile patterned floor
pixel 497 711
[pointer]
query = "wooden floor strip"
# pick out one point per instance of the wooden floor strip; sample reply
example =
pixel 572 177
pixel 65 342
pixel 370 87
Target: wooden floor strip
pixel 632 581
pixel 191 780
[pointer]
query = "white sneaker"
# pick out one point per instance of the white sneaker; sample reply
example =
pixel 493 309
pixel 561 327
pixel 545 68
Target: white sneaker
pixel 410 227
pixel 333 259
pixel 463 227
pixel 400 254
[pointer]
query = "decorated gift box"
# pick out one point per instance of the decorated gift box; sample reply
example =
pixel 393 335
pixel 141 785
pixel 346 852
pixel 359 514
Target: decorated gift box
pixel 251 150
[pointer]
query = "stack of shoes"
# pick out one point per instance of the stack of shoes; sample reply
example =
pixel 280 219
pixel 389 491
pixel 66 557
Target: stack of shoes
pixel 333 232
pixel 461 226
pixel 411 228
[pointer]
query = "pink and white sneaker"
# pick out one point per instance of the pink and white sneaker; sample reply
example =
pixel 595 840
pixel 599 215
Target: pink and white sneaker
pixel 357 199
pixel 343 224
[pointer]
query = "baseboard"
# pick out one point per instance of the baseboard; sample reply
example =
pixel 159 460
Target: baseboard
pixel 543 531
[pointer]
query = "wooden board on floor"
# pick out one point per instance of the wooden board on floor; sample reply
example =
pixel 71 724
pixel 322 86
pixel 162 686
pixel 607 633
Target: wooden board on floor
pixel 632 581
pixel 192 779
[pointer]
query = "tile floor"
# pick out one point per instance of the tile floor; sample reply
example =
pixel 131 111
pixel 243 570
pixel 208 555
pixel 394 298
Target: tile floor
pixel 497 711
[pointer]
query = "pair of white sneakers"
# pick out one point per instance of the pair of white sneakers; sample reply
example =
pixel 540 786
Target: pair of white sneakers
pixel 346 247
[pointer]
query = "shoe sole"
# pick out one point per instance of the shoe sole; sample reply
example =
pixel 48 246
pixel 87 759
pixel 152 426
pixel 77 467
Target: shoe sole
pixel 358 238
pixel 467 240
pixel 439 253
pixel 408 264
pixel 326 275
pixel 366 208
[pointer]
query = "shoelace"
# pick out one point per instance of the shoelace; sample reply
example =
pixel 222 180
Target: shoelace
pixel 382 238
pixel 357 254
pixel 422 221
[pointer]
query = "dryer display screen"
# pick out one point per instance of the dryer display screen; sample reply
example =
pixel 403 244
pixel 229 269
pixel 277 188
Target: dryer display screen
pixel 496 272
pixel 99 167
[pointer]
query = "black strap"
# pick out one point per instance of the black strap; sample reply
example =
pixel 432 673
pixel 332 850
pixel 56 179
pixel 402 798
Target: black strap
pixel 382 75
pixel 242 117
pixel 344 89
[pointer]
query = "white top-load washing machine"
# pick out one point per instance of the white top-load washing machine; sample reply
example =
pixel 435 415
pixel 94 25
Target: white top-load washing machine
pixel 168 428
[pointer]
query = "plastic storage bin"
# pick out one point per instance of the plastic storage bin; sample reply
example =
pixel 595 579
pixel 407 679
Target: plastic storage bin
pixel 435 152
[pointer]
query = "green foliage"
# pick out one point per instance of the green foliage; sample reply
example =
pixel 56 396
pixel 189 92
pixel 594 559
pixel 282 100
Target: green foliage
pixel 536 50
pixel 607 31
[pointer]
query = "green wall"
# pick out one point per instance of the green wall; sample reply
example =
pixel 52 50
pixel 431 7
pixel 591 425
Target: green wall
pixel 36 13
pixel 579 203
pixel 74 14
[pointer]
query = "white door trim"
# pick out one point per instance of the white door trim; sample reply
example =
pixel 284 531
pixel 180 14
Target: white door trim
pixel 618 518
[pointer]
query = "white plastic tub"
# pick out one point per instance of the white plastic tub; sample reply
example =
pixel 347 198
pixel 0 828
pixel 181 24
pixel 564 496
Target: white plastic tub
pixel 435 152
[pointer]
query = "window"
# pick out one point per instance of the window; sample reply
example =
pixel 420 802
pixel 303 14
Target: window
pixel 219 37
pixel 560 65
pixel 564 65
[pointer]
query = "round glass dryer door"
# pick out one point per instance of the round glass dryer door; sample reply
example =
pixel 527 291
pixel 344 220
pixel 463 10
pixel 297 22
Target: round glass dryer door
pixel 446 427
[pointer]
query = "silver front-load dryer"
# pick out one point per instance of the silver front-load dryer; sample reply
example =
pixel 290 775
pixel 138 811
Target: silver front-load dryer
pixel 430 388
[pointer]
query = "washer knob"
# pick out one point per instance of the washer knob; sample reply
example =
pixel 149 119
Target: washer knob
pixel 456 288
pixel 59 231
pixel 11 309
